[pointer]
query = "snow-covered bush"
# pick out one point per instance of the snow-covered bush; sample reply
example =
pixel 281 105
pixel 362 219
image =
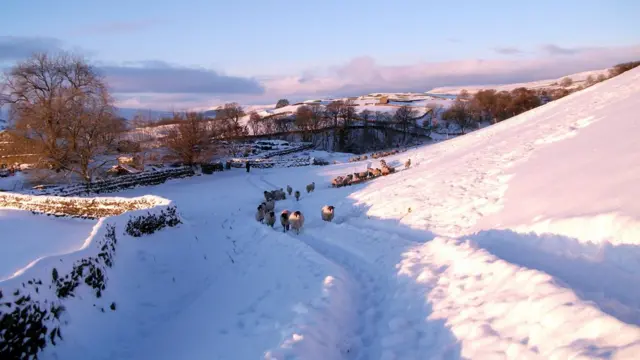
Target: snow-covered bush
pixel 150 223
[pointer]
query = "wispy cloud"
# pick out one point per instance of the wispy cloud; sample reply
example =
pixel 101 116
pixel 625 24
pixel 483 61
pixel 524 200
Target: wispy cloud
pixel 160 77
pixel 507 50
pixel 552 49
pixel 363 75
pixel 454 40
pixel 117 27
pixel 19 47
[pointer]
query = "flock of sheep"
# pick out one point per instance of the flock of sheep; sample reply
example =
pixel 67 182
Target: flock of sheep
pixel 356 178
pixel 289 220
pixel 375 155
pixel 265 212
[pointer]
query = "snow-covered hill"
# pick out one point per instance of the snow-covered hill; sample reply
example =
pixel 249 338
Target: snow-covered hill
pixel 519 241
pixel 578 79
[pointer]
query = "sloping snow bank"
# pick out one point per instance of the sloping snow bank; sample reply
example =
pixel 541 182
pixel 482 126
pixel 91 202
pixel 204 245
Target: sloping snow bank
pixel 70 289
pixel 567 171
pixel 496 308
pixel 26 237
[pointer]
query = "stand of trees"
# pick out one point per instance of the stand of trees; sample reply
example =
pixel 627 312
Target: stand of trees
pixel 62 108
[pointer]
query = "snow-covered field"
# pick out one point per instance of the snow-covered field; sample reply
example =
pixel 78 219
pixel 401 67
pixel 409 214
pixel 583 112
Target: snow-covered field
pixel 25 237
pixel 519 240
pixel 578 79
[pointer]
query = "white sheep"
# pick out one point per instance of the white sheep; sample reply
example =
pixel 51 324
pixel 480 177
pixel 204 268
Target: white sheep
pixel 296 220
pixel 297 195
pixel 289 190
pixel 270 218
pixel 260 213
pixel 327 213
pixel 284 220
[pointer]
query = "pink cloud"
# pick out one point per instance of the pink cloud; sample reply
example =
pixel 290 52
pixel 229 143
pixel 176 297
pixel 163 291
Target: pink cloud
pixel 363 75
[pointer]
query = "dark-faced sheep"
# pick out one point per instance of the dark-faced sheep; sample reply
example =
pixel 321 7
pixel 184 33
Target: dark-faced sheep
pixel 311 187
pixel 296 220
pixel 297 195
pixel 327 212
pixel 267 196
pixel 284 220
pixel 260 213
pixel 270 218
pixel 289 190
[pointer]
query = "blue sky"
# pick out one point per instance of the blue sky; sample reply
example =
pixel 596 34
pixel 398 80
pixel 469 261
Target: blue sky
pixel 263 50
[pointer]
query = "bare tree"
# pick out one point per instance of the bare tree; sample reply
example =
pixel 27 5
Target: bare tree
pixel 282 103
pixel 333 111
pixel 566 82
pixel 63 104
pixel 255 121
pixel 231 114
pixel 304 121
pixel 405 116
pixel 188 138
pixel 460 114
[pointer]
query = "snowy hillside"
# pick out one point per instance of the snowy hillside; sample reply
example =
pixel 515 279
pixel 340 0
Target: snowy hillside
pixel 578 79
pixel 519 241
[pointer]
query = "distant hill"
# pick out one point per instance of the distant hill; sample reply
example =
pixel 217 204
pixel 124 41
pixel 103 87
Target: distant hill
pixel 578 79
pixel 129 113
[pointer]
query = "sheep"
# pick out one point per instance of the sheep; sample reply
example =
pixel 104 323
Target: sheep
pixel 279 194
pixel 337 182
pixel 349 179
pixel 383 163
pixel 289 190
pixel 363 175
pixel 386 170
pixel 297 194
pixel 327 213
pixel 269 205
pixel 311 187
pixel 377 172
pixel 260 213
pixel 407 164
pixel 270 218
pixel 296 220
pixel 267 195
pixel 284 220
